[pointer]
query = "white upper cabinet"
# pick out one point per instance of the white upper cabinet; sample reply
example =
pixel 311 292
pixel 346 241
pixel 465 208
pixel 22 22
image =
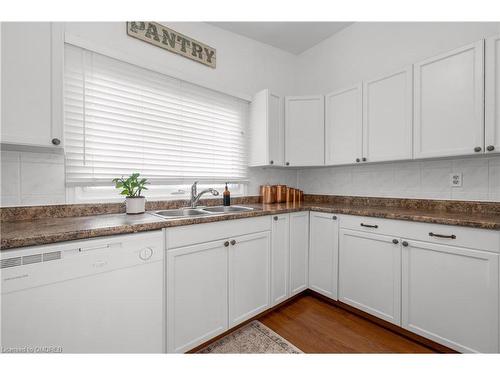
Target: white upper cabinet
pixel 492 99
pixel 388 117
pixel 304 130
pixel 448 103
pixel 343 126
pixel 267 129
pixel 32 68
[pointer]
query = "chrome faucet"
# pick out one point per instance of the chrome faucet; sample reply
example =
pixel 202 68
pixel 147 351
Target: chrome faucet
pixel 195 196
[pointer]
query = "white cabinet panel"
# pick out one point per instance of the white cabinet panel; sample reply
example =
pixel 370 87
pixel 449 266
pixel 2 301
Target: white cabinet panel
pixel 343 126
pixel 197 284
pixel 323 254
pixel 280 259
pixel 492 99
pixel 450 295
pixel 249 276
pixel 267 129
pixel 370 274
pixel 31 83
pixel 304 130
pixel 388 117
pixel 448 111
pixel 299 251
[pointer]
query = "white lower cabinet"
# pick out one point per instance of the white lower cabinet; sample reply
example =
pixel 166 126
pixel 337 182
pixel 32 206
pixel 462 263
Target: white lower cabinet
pixel 450 295
pixel 249 276
pixel 280 258
pixel 197 292
pixel 323 254
pixel 299 251
pixel 370 274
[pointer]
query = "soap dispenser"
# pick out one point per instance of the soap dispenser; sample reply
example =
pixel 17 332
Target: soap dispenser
pixel 226 197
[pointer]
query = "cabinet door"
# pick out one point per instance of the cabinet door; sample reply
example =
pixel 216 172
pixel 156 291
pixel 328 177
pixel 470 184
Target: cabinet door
pixel 31 73
pixel 370 274
pixel 304 130
pixel 267 129
pixel 343 126
pixel 280 258
pixel 299 251
pixel 448 112
pixel 323 254
pixel 450 295
pixel 196 295
pixel 492 99
pixel 388 116
pixel 249 276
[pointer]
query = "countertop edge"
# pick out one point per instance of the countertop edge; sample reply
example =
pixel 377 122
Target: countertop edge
pixel 13 243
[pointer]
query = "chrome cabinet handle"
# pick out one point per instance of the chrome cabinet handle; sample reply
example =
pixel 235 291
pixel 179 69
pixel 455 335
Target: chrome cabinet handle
pixel 404 243
pixel 287 163
pixel 271 161
pixel 275 218
pixel 364 159
pixel 233 242
pixel 56 141
pixel 226 244
pixel 490 148
pixel 395 241
pixel 452 236
pixel 477 149
pixel 334 217
pixel 358 160
pixel 369 226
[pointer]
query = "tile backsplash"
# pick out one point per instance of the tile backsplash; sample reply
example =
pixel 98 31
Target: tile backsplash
pixel 29 178
pixel 425 179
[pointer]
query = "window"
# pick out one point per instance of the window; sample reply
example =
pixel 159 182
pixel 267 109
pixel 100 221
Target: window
pixel 121 118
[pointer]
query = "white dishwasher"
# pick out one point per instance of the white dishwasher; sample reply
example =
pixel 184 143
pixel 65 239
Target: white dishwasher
pixel 102 295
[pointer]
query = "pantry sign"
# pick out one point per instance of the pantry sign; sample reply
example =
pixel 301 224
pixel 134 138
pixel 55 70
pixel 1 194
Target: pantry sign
pixel 163 37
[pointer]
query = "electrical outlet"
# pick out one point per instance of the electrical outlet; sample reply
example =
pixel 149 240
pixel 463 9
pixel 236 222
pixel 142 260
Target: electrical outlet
pixel 456 179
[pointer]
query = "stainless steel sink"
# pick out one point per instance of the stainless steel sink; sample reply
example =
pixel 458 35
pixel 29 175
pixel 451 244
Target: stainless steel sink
pixel 182 212
pixel 227 209
pixel 201 211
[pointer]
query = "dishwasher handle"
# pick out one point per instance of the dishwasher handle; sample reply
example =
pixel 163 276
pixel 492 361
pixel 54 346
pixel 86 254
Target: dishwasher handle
pixel 100 247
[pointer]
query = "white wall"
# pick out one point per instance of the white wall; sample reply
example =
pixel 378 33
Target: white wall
pixel 244 66
pixel 366 50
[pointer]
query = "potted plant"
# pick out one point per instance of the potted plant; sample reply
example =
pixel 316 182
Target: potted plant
pixel 132 187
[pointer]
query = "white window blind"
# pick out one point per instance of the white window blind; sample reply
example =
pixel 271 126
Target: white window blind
pixel 121 118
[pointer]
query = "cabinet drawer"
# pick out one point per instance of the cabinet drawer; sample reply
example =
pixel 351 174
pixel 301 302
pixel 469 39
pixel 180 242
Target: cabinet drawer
pixel 473 238
pixel 198 233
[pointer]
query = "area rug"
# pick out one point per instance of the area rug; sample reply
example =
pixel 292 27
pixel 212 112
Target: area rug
pixel 255 338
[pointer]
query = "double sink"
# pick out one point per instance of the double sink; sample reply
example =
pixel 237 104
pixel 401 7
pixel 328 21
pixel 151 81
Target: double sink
pixel 200 211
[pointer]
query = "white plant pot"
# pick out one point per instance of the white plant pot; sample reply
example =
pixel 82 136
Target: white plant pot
pixel 135 205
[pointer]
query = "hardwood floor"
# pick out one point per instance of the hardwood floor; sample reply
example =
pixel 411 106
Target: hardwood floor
pixel 315 326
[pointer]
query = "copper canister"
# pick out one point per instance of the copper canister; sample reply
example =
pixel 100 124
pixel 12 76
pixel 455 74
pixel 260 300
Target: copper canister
pixel 290 194
pixel 269 194
pixel 261 193
pixel 280 193
pixel 301 196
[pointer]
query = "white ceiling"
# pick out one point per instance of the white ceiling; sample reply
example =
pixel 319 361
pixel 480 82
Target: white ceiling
pixel 294 37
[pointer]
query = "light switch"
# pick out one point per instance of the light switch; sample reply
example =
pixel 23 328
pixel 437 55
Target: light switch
pixel 456 179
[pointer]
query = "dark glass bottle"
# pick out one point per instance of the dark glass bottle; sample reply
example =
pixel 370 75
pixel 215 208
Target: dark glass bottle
pixel 226 197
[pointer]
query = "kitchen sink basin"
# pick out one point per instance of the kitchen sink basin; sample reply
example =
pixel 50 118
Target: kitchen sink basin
pixel 191 212
pixel 182 212
pixel 226 209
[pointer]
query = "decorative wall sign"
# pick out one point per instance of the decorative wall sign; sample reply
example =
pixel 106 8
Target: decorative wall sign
pixel 163 37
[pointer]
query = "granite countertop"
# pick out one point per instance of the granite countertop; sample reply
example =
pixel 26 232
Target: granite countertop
pixel 49 230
